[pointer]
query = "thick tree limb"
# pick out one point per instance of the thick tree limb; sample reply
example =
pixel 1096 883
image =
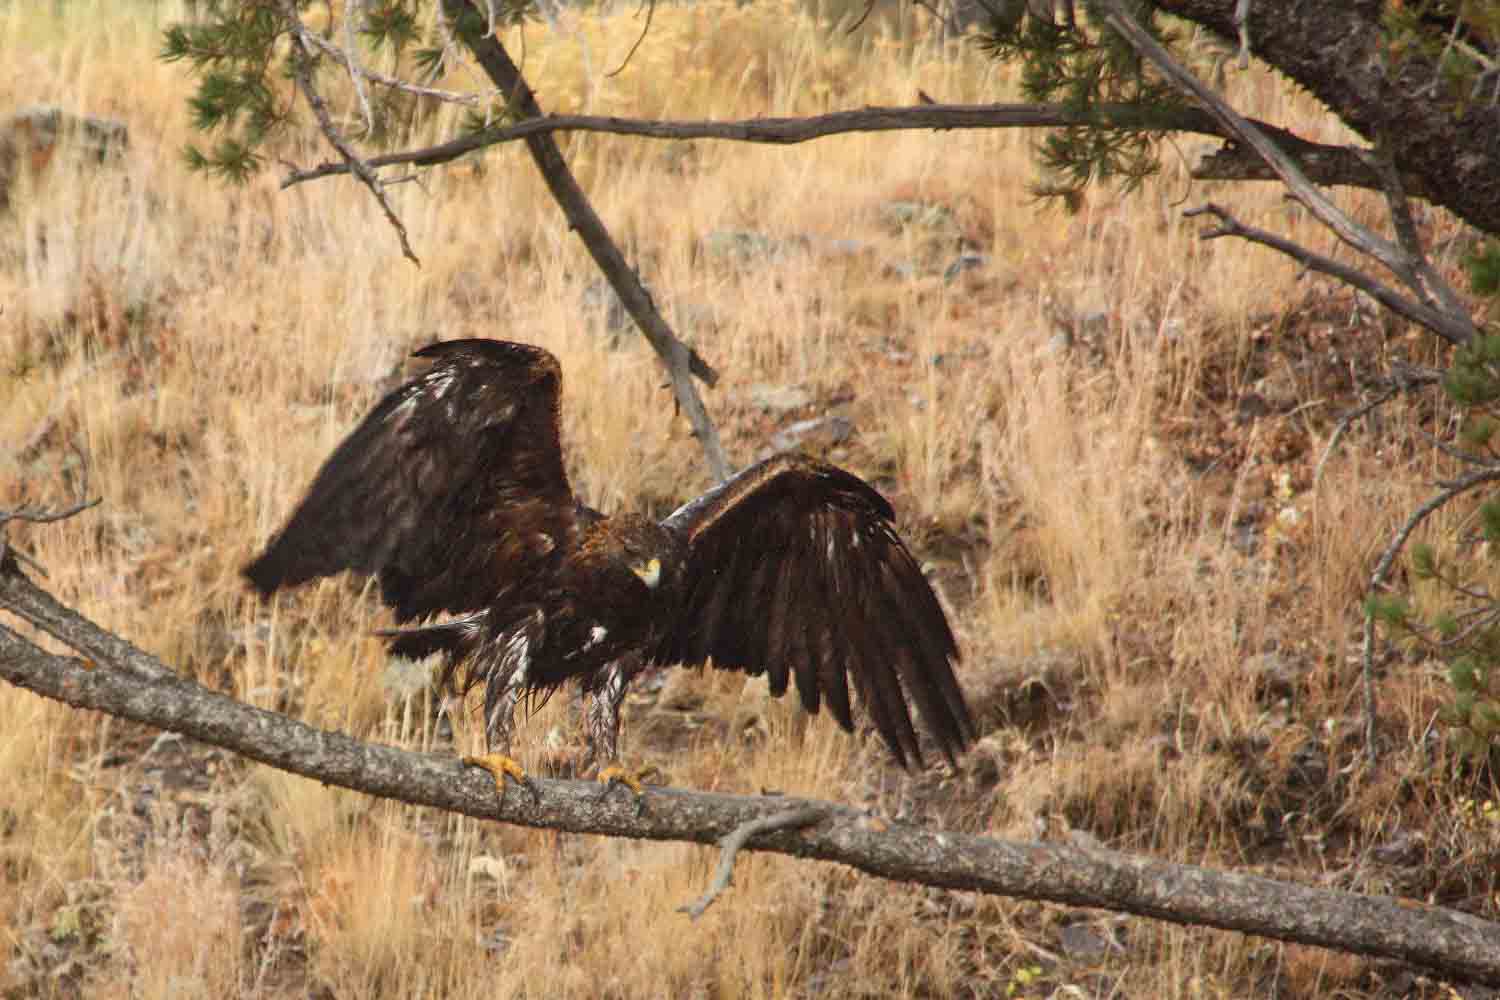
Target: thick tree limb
pixel 127 682
pixel 1411 269
pixel 1324 165
pixel 504 73
pixel 1342 53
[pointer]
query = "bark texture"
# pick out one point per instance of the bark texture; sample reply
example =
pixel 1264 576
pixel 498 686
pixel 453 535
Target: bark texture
pixel 1340 53
pixel 122 680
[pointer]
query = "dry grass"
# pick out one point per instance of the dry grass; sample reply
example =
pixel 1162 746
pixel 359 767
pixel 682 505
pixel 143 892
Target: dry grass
pixel 1124 551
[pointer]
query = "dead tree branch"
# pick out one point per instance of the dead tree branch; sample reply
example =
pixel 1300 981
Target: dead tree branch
pixel 119 679
pixel 1451 329
pixel 34 514
pixel 503 72
pixel 733 843
pixel 1487 473
pixel 1412 271
pixel 360 169
pixel 1325 164
pixel 1432 303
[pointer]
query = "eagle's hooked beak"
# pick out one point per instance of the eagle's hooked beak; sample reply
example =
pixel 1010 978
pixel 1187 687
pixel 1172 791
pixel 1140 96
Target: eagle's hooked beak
pixel 650 573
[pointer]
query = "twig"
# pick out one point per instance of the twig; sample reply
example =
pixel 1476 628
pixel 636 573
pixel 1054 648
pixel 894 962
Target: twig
pixel 360 169
pixel 1426 282
pixel 1345 422
pixel 356 76
pixel 394 83
pixel 1452 489
pixel 869 6
pixel 32 514
pixel 1242 26
pixel 1403 378
pixel 650 13
pixel 1455 330
pixel 733 842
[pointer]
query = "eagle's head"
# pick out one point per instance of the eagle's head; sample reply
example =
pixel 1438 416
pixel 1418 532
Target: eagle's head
pixel 645 548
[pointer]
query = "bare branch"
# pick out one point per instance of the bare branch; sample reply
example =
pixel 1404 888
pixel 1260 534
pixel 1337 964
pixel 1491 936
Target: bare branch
pixel 1342 427
pixel 1427 283
pixel 674 354
pixel 1403 378
pixel 360 169
pixel 356 76
pixel 732 843
pixel 1393 257
pixel 645 28
pixel 395 83
pixel 33 514
pixel 791 131
pixel 1325 165
pixel 1242 25
pixel 1455 488
pixel 1452 329
pixel 129 683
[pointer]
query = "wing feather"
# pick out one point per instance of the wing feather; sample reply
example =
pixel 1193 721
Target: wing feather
pixel 450 487
pixel 794 567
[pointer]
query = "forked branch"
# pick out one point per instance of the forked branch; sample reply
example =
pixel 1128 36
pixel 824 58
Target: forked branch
pixel 1444 314
pixel 674 354
pixel 119 679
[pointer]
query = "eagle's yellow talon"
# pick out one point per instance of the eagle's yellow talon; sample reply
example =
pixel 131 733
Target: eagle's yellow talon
pixel 619 774
pixel 501 767
pixel 616 774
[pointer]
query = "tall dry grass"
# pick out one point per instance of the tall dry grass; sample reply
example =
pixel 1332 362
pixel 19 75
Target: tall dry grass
pixel 1034 421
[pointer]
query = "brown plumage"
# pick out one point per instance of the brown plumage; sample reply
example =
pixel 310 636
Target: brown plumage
pixel 452 492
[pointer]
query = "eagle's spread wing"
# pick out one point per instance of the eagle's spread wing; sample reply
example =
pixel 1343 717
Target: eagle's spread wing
pixel 450 488
pixel 794 567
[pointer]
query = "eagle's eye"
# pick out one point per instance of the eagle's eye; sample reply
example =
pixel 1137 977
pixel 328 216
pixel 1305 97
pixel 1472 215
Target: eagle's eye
pixel 649 572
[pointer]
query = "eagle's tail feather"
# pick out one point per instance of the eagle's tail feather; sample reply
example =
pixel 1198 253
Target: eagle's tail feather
pixel 456 638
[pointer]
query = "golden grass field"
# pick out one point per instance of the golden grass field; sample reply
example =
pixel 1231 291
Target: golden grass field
pixel 1159 612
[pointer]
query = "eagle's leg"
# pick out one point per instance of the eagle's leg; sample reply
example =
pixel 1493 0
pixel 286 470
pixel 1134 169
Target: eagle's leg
pixel 606 694
pixel 502 690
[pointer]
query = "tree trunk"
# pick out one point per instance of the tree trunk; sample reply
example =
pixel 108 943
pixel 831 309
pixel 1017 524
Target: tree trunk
pixel 1340 52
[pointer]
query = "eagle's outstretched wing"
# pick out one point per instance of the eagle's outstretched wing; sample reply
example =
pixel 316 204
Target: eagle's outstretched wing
pixel 794 568
pixel 449 489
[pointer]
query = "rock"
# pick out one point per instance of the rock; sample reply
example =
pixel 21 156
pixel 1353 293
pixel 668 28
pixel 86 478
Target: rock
pixel 777 399
pixel 821 432
pixel 966 261
pixel 1082 943
pixel 900 215
pixel 744 245
pixel 32 140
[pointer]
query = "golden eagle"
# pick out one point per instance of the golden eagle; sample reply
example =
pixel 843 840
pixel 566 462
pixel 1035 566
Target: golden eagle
pixel 452 491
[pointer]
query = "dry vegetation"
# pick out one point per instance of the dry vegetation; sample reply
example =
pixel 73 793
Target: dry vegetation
pixel 1102 441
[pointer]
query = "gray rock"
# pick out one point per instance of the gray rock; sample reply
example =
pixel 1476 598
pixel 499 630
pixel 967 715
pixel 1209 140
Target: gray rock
pixel 744 245
pixel 826 431
pixel 900 215
pixel 777 399
pixel 34 138
pixel 966 261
